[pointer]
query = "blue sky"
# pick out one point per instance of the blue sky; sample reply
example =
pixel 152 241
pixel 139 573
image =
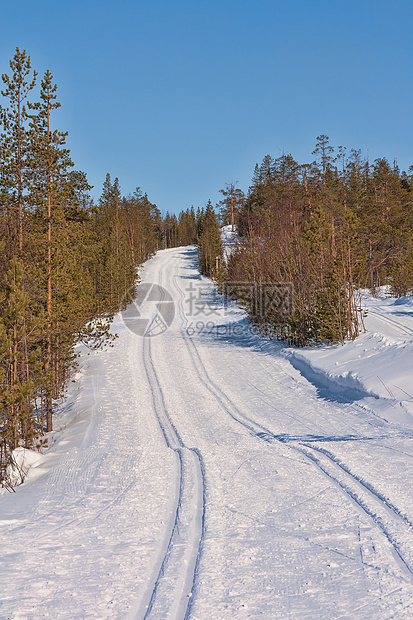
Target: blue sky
pixel 180 97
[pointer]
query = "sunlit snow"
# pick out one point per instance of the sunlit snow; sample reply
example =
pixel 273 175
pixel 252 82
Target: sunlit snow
pixel 209 473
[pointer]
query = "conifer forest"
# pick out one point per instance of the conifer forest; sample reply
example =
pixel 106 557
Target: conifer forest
pixel 206 311
pixel 67 264
pixel 326 230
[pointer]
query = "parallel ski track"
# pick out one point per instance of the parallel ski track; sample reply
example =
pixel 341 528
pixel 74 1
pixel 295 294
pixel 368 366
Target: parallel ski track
pixel 367 487
pixel 222 399
pixel 171 592
pixel 384 515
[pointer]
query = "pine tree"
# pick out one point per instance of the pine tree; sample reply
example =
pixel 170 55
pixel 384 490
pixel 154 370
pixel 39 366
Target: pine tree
pixel 324 153
pixel 17 388
pixel 229 206
pixel 15 144
pixel 16 313
pixel 210 247
pixel 50 163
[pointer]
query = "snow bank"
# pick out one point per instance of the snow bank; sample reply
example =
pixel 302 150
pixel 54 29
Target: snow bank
pixel 377 366
pixel 21 463
pixel 379 363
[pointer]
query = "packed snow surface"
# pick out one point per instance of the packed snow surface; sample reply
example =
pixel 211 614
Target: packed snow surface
pixel 200 471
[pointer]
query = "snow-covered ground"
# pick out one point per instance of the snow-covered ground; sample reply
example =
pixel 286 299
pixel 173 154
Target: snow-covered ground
pixel 200 471
pixel 229 239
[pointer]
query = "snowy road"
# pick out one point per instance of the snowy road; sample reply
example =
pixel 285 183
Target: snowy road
pixel 205 474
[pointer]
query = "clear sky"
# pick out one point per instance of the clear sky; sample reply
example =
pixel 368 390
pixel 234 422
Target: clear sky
pixel 180 97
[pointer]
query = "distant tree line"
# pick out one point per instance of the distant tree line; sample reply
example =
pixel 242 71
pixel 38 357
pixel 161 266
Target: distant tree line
pixel 67 264
pixel 328 230
pixel 200 227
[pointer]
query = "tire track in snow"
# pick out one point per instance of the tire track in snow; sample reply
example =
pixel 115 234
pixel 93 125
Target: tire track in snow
pixel 171 586
pixel 386 517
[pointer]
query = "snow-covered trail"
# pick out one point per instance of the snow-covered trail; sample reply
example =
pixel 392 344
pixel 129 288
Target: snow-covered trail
pixel 204 476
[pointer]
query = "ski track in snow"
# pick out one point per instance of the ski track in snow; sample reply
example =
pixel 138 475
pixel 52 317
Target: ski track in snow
pixel 205 477
pixel 403 329
pixel 384 515
pixel 178 564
